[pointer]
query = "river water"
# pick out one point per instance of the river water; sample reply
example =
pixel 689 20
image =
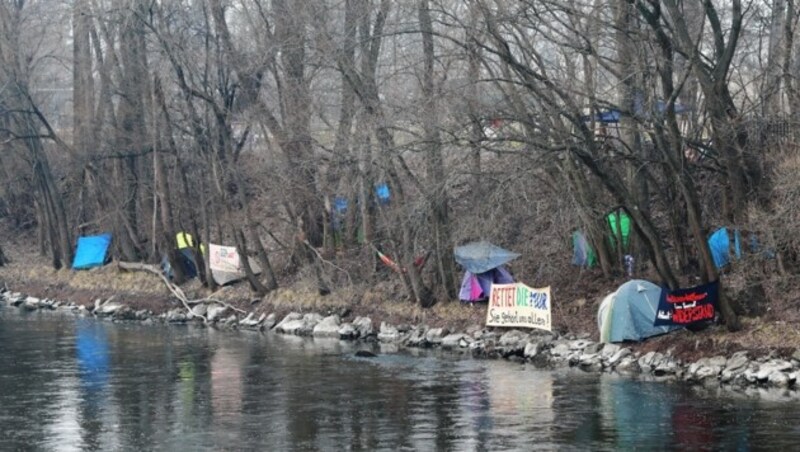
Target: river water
pixel 71 383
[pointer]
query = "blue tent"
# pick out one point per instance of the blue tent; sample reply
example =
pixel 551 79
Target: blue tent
pixel 92 251
pixel 629 313
pixel 719 243
pixel 480 257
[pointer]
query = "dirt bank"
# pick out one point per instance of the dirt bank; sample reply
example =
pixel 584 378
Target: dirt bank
pixel 574 307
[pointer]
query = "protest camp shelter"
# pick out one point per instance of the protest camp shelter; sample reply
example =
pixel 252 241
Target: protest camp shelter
pixel 483 265
pixel 628 314
pixel 185 244
pixel 92 251
pixel 720 244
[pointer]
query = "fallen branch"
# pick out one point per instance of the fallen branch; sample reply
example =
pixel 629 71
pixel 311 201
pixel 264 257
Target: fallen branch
pixel 176 291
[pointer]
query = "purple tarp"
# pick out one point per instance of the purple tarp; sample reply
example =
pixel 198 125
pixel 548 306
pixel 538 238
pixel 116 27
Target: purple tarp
pixel 471 283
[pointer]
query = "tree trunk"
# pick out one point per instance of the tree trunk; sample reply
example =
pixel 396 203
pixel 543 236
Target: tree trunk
pixel 437 195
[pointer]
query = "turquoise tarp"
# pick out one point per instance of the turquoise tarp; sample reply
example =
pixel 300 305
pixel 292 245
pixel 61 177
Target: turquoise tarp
pixel 720 243
pixel 91 252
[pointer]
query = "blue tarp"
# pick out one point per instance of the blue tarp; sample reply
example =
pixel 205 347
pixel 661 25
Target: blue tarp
pixel 629 313
pixel 480 257
pixel 719 243
pixel 607 116
pixel 340 205
pixel 613 115
pixel 91 252
pixel 382 193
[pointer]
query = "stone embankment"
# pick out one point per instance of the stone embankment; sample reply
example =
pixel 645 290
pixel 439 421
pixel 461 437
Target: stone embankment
pixel 541 349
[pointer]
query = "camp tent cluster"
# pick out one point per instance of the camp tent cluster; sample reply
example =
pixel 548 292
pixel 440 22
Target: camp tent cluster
pixel 226 265
pixel 483 265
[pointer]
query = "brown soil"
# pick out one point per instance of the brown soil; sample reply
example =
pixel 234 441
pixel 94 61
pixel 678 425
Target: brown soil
pixel 574 311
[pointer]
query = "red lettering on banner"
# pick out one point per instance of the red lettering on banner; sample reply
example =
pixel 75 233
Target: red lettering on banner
pixel 693 314
pixel 688 298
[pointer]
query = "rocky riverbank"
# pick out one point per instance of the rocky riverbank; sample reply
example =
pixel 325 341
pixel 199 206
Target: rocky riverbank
pixel 741 370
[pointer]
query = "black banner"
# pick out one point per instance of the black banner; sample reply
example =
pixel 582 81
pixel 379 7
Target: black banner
pixel 684 307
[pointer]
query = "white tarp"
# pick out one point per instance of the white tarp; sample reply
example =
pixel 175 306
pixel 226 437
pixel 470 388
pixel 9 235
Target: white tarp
pixel 226 265
pixel 517 305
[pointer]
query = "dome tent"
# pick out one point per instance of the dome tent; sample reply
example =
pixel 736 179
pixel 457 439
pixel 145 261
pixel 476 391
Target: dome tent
pixel 629 313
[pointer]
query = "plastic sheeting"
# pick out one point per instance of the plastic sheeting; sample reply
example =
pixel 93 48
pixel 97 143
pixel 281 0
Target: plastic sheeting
pixel 480 257
pixel 478 287
pixel 720 244
pixel 91 251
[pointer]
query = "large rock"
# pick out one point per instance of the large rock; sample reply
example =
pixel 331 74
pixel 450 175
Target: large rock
pixel 560 349
pixel 590 362
pixel 200 310
pixel 737 362
pixel 734 367
pixel 532 349
pixel 650 361
pixel 16 299
pixel 388 333
pixel 452 340
pixel 617 357
pixel 705 368
pixel 32 303
pixel 779 379
pixel 513 338
pixel 176 316
pixel 327 327
pixel 300 325
pixel 290 323
pixel 363 326
pixel 609 350
pixel 347 331
pixel 628 365
pixel 270 321
pixel 121 312
pixel 216 312
pixel 251 322
pixel 109 308
pixel 668 366
pixel 417 337
pixel 580 344
pixel 766 370
pixel 434 335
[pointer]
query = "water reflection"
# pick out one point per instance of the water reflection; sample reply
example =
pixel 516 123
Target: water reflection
pixel 88 385
pixel 226 384
pixel 93 357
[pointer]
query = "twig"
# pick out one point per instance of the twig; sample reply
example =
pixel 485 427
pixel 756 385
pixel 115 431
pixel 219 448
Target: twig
pixel 319 256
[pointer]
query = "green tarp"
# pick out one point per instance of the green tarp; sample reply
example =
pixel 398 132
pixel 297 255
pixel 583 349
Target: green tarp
pixel 621 218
